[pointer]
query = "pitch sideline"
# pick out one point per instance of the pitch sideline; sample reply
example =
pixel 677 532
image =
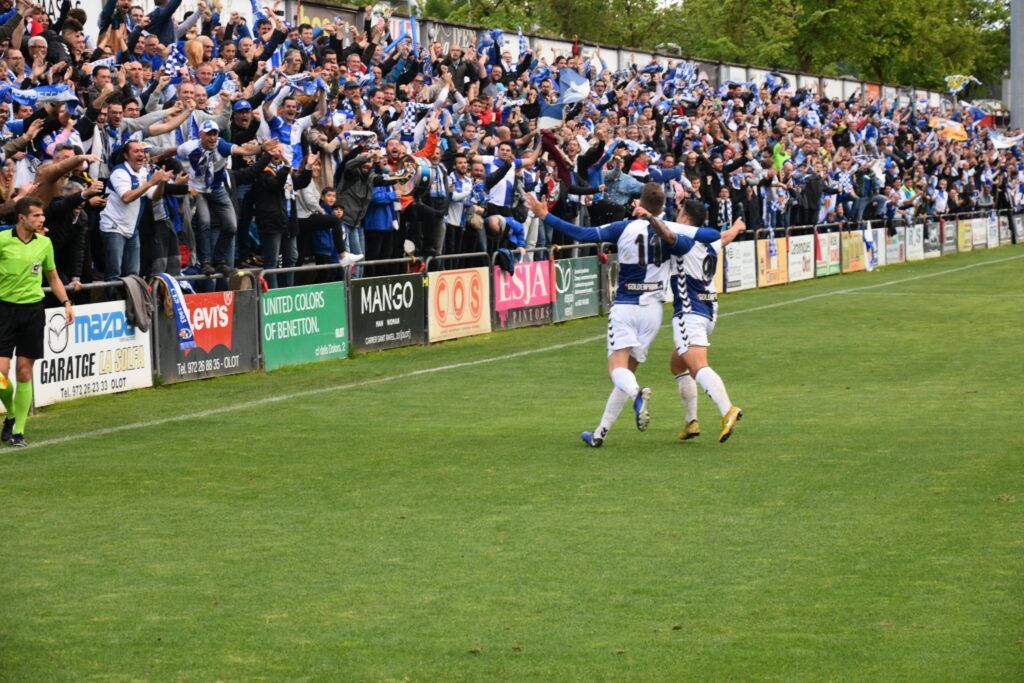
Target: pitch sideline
pixel 481 361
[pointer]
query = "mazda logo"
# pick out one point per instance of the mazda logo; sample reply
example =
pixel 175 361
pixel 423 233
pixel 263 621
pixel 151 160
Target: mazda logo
pixel 57 332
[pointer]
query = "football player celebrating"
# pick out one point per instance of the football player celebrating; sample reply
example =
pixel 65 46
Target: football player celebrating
pixel 635 318
pixel 695 311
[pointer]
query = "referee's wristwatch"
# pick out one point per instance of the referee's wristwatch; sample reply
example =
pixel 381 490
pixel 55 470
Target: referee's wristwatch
pixel 66 302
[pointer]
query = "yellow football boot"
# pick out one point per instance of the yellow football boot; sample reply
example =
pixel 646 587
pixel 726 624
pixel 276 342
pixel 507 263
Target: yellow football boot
pixel 729 422
pixel 690 431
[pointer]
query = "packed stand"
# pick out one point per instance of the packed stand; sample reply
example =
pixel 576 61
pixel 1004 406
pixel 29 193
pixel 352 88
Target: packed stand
pixel 197 142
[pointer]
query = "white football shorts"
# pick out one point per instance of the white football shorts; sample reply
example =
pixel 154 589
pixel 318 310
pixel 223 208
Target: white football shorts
pixel 691 329
pixel 633 327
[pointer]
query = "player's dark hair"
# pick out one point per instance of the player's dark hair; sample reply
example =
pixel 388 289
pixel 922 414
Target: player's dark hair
pixel 652 198
pixel 22 206
pixel 696 211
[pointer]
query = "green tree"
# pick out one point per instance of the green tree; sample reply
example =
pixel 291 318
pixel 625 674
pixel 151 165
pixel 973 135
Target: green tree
pixel 876 40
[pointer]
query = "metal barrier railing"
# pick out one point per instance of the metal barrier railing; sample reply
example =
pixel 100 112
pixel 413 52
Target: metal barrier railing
pixel 483 255
pixel 530 250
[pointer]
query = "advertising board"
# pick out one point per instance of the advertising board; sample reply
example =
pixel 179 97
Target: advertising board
pixel 577 288
pixel 459 303
pixel 915 242
pixel 772 262
pixel 852 251
pixel 226 337
pixel 801 257
pixel 99 353
pixel 387 312
pixel 740 266
pixel 303 324
pixel 524 297
pixel 826 257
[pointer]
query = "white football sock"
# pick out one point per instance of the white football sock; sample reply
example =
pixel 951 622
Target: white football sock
pixel 713 386
pixel 688 392
pixel 616 400
pixel 625 381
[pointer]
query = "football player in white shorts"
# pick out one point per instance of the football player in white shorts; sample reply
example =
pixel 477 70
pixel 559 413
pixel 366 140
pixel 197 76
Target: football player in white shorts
pixel 695 310
pixel 644 249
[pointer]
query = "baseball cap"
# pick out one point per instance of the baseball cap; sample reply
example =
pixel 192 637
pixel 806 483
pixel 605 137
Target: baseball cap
pixel 209 126
pixel 351 83
pixel 242 105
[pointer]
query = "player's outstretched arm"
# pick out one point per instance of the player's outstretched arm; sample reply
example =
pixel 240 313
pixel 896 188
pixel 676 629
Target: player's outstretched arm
pixel 604 233
pixel 734 230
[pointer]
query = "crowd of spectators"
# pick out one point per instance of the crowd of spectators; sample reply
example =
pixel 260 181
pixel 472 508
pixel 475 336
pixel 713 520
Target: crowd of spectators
pixel 202 142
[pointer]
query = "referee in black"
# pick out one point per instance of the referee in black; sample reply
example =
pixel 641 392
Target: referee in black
pixel 26 255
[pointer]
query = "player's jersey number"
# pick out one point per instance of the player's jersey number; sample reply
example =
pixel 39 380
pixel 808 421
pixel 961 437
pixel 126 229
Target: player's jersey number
pixel 709 266
pixel 648 250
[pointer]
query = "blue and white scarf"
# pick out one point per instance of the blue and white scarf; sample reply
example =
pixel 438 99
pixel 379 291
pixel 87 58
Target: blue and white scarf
pixel 186 335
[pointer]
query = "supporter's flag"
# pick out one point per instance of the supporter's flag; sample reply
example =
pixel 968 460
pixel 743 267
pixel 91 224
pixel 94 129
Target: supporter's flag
pixel 428 67
pixel 948 129
pixel 305 83
pixel 257 11
pixel 958 82
pixel 550 115
pixel 523 47
pixel 1000 141
pixel 776 81
pixel 277 59
pixel 175 60
pixel 33 97
pixel 572 85
pixel 870 250
pixel 541 73
pixel 108 62
pixel 490 44
pixel 976 113
pixel 359 137
pixel 723 89
pixel 773 250
pixel 409 119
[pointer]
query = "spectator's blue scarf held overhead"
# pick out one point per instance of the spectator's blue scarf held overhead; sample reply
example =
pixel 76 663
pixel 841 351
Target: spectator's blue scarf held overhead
pixel 35 97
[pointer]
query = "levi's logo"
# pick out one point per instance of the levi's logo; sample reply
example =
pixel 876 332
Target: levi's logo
pixel 212 317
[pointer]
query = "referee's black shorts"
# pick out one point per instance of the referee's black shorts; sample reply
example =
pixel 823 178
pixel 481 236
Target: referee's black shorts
pixel 21 329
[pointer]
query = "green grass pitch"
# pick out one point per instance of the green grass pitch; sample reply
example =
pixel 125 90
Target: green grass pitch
pixel 865 522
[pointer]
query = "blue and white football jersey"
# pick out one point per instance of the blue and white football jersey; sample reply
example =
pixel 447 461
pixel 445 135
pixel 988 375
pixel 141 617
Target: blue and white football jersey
pixel 644 264
pixel 693 276
pixel 645 260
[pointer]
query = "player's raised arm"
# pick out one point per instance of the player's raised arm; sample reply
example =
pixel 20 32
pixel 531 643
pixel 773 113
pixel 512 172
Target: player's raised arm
pixel 734 230
pixel 604 233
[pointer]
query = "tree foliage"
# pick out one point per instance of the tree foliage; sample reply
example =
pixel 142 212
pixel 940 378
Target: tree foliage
pixel 876 40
